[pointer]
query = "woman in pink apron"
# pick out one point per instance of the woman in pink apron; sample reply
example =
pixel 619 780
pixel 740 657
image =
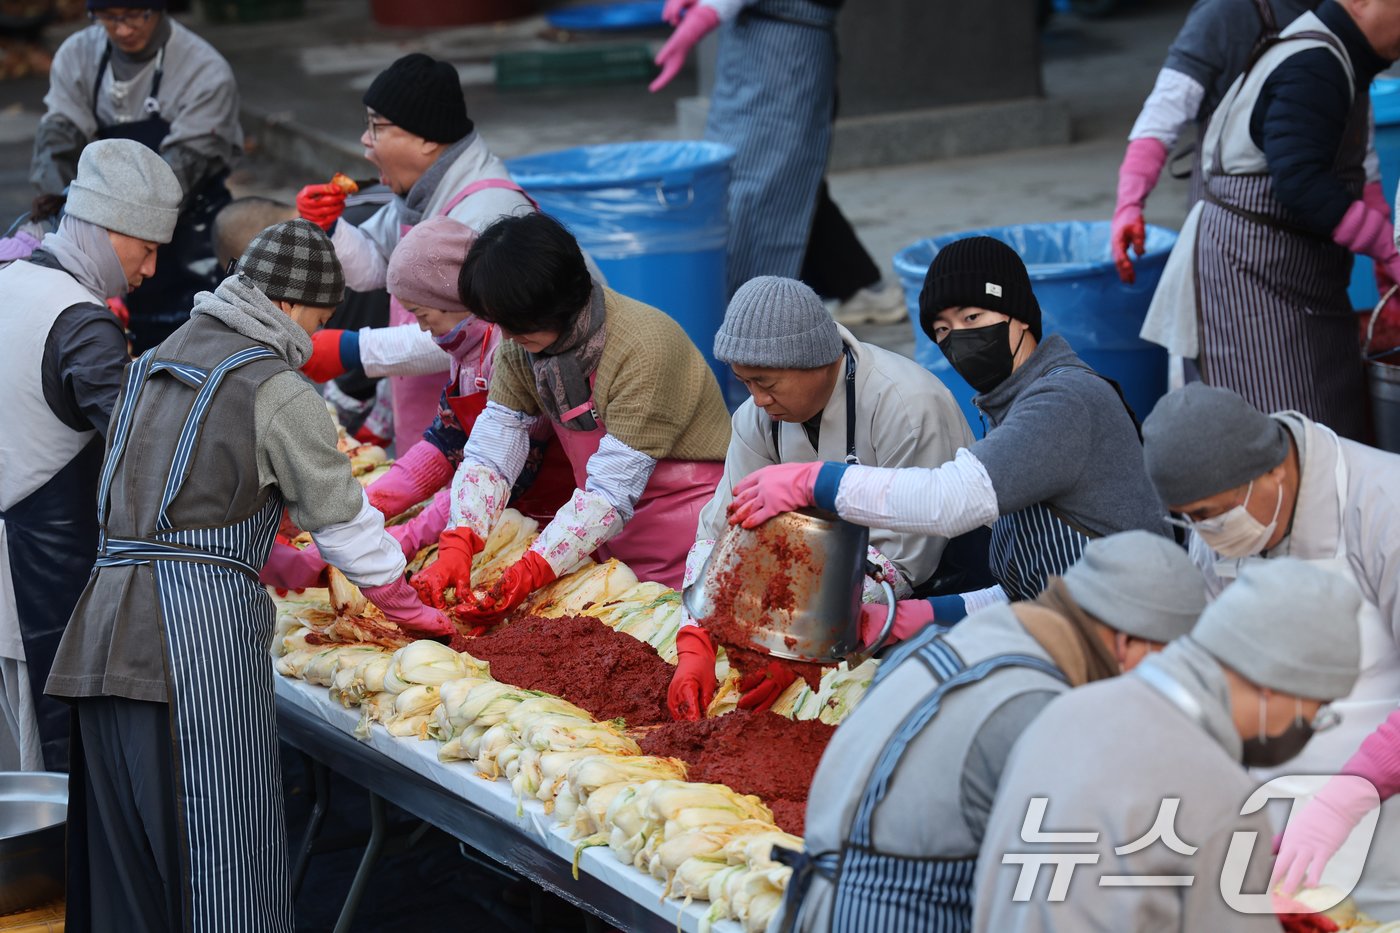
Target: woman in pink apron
pixel 633 403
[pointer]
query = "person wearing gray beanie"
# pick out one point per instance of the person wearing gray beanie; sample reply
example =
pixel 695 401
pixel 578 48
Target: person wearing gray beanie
pixel 817 393
pixel 1245 687
pixel 973 690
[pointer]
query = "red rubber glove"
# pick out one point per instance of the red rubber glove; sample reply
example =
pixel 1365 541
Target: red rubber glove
pixel 1298 918
pixel 424 528
pixel 1313 836
pixel 289 568
pixel 365 435
pixel 675 9
pixel 762 688
pixel 1137 176
pixel 771 491
pixel 693 684
pixel 699 21
pixel 321 204
pixel 333 353
pixel 415 476
pixel 910 616
pixel 520 580
pixel 453 566
pixel 402 607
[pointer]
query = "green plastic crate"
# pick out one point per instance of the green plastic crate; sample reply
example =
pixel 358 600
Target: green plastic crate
pixel 609 64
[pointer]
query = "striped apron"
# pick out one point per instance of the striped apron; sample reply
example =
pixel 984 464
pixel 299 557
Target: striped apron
pixel 877 892
pixel 1274 319
pixel 775 77
pixel 217 622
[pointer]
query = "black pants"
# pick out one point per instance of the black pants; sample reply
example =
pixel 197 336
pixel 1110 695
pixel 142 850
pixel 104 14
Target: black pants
pixel 124 865
pixel 836 264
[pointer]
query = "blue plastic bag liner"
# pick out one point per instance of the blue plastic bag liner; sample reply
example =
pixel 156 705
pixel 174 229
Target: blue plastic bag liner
pixel 1385 105
pixel 1081 299
pixel 605 17
pixel 653 215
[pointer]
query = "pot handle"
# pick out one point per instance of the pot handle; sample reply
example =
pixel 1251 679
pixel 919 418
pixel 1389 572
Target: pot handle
pixel 864 654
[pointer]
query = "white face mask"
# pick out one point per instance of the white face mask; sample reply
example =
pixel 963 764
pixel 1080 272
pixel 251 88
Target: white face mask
pixel 1236 533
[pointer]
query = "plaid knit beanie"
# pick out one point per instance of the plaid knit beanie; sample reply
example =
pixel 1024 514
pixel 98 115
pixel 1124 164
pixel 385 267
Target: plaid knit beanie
pixel 294 261
pixel 422 95
pixel 978 272
pixel 777 323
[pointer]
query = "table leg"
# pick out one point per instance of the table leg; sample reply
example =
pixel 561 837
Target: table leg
pixel 321 793
pixel 377 824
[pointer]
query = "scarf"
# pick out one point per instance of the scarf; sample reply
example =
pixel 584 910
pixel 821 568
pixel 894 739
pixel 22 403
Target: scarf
pixel 562 369
pixel 127 65
pixel 85 252
pixel 416 201
pixel 247 311
pixel 1067 633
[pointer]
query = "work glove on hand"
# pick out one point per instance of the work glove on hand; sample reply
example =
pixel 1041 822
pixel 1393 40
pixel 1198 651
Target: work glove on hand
pixel 45 206
pixel 1294 917
pixel 289 568
pixel 453 567
pixel 321 204
pixel 1313 836
pixel 425 528
pixel 333 353
pixel 521 579
pixel 675 9
pixel 773 490
pixel 1137 176
pixel 761 689
pixel 1373 195
pixel 910 616
pixel 402 607
pixel 415 476
pixel 699 21
pixel 1369 233
pixel 366 435
pixel 693 684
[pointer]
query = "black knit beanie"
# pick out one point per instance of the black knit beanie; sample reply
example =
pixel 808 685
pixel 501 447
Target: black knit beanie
pixel 423 96
pixel 978 272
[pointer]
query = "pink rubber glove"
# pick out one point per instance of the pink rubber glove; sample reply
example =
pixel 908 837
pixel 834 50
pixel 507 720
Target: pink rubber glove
pixel 699 21
pixel 693 684
pixel 1137 176
pixel 675 9
pixel 1368 232
pixel 414 477
pixel 424 528
pixel 288 568
pixel 771 491
pixel 402 606
pixel 1313 836
pixel 910 616
pixel 1374 197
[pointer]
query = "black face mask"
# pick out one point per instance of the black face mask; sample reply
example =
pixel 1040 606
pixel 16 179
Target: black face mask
pixel 981 355
pixel 1270 751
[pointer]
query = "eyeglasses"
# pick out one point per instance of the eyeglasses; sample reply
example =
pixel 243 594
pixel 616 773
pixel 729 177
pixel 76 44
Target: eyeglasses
pixel 130 19
pixel 373 126
pixel 1209 525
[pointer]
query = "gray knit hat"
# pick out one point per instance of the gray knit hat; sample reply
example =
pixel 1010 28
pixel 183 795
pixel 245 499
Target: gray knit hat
pixel 125 187
pixel 294 261
pixel 777 323
pixel 1140 584
pixel 1287 625
pixel 1203 440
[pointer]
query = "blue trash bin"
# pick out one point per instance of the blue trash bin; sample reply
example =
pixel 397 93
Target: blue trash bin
pixel 1385 106
pixel 653 216
pixel 1081 299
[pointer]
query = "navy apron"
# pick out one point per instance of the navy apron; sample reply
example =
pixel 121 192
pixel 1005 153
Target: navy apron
pixel 877 892
pixel 217 621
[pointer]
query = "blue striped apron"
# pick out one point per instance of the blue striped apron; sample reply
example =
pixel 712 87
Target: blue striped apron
pixel 775 77
pixel 218 622
pixel 881 893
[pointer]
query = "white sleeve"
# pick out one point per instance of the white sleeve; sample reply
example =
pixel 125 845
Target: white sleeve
pixel 361 548
pixel 363 257
pixel 1174 102
pixel 500 440
pixel 948 500
pixel 619 474
pixel 727 9
pixel 981 599
pixel 405 350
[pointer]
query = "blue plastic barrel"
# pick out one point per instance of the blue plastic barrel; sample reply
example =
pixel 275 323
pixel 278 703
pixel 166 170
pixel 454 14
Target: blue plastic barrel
pixel 652 215
pixel 1081 299
pixel 1385 106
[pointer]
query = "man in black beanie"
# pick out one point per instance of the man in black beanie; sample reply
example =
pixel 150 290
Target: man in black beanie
pixel 419 137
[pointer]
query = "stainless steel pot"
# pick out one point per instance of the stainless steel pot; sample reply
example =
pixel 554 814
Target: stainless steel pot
pixel 792 586
pixel 33 817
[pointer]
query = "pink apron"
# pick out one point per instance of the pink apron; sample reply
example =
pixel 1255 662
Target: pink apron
pixel 416 397
pixel 654 543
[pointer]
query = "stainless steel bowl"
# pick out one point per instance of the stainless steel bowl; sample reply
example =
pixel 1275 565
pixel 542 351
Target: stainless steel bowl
pixel 33 819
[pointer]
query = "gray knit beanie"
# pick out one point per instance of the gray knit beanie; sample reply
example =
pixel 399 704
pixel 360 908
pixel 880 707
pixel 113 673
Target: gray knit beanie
pixel 294 261
pixel 1287 625
pixel 1140 584
pixel 125 187
pixel 777 323
pixel 1203 440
